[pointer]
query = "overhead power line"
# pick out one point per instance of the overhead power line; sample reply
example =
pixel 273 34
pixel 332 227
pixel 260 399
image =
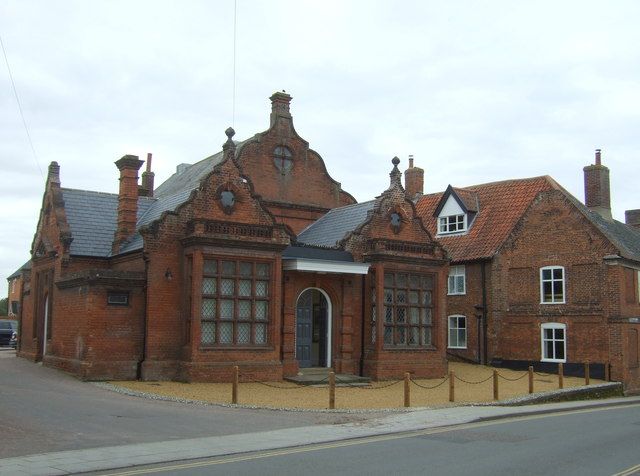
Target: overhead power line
pixel 235 14
pixel 24 122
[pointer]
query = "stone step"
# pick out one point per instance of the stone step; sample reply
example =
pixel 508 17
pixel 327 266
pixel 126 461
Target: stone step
pixel 320 376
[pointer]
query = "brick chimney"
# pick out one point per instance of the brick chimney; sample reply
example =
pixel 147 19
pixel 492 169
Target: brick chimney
pixel 127 199
pixel 596 188
pixel 632 218
pixel 53 175
pixel 413 180
pixel 280 107
pixel 146 189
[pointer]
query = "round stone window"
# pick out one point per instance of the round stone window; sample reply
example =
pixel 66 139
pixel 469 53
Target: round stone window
pixel 282 157
pixel 227 200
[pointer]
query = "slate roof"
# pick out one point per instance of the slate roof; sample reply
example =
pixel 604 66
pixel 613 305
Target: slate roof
pixel 624 237
pixel 92 217
pixel 20 270
pixel 329 229
pixel 190 178
pixel 501 204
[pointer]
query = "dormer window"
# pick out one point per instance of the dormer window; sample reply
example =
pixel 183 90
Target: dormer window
pixel 452 224
pixel 456 211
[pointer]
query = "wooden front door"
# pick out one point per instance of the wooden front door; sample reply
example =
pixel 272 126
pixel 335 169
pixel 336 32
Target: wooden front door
pixel 304 328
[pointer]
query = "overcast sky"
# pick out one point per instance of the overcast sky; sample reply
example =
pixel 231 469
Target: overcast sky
pixel 476 91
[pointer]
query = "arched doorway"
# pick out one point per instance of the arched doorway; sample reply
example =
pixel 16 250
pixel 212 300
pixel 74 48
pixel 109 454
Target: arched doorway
pixel 313 329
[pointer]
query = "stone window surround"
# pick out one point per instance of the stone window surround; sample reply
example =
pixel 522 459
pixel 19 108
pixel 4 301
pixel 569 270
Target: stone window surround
pixel 236 297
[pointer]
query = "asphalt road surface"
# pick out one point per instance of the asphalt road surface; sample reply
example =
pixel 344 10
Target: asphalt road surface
pixel 44 410
pixel 603 441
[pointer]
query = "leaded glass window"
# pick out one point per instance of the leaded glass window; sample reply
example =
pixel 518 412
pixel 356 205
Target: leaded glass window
pixel 235 302
pixel 407 310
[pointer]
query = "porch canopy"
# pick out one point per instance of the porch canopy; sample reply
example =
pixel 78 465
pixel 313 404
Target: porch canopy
pixel 321 260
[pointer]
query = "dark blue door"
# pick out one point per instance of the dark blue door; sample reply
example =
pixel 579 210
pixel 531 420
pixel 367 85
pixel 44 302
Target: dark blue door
pixel 304 328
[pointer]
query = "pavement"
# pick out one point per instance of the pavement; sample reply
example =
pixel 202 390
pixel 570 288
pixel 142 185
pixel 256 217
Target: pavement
pixel 112 457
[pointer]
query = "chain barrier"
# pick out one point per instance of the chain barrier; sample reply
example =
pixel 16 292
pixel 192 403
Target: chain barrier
pixel 542 374
pixel 426 387
pixel 474 383
pixel 513 379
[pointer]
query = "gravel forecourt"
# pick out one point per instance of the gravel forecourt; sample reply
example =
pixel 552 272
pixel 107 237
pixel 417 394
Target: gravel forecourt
pixel 473 384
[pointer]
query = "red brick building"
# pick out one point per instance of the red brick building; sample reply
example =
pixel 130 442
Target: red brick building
pixel 537 277
pixel 14 294
pixel 253 257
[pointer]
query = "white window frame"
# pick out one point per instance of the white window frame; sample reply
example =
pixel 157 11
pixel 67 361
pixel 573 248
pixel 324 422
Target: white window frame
pixel 543 341
pixel 455 318
pixel 445 222
pixel 457 271
pixel 552 281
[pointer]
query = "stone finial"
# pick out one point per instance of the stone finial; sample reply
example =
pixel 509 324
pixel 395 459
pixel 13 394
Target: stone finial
pixel 229 147
pixel 395 175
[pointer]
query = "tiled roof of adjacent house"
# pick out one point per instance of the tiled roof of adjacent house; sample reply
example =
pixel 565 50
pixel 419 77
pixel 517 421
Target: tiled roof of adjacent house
pixel 501 204
pixel 20 270
pixel 332 227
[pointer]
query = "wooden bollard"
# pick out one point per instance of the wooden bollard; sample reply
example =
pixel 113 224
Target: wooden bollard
pixel 607 374
pixel 560 375
pixel 531 379
pixel 451 386
pixel 234 385
pixel 587 377
pixel 495 385
pixel 407 390
pixel 332 390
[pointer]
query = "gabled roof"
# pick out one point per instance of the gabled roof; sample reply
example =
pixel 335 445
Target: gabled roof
pixel 467 199
pixel 501 206
pixel 332 227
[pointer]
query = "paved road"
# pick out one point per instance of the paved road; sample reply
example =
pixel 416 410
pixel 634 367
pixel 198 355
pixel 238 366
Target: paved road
pixel 600 441
pixel 44 410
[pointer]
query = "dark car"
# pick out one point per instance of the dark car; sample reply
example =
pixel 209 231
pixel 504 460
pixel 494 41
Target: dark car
pixel 8 332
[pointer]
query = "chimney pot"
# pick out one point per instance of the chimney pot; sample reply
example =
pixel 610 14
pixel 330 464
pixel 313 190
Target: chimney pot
pixel 632 218
pixel 413 180
pixel 280 102
pixel 129 165
pixel 596 188
pixel 146 189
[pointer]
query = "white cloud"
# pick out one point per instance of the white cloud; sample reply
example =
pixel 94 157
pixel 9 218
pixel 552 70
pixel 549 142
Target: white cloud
pixel 477 91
